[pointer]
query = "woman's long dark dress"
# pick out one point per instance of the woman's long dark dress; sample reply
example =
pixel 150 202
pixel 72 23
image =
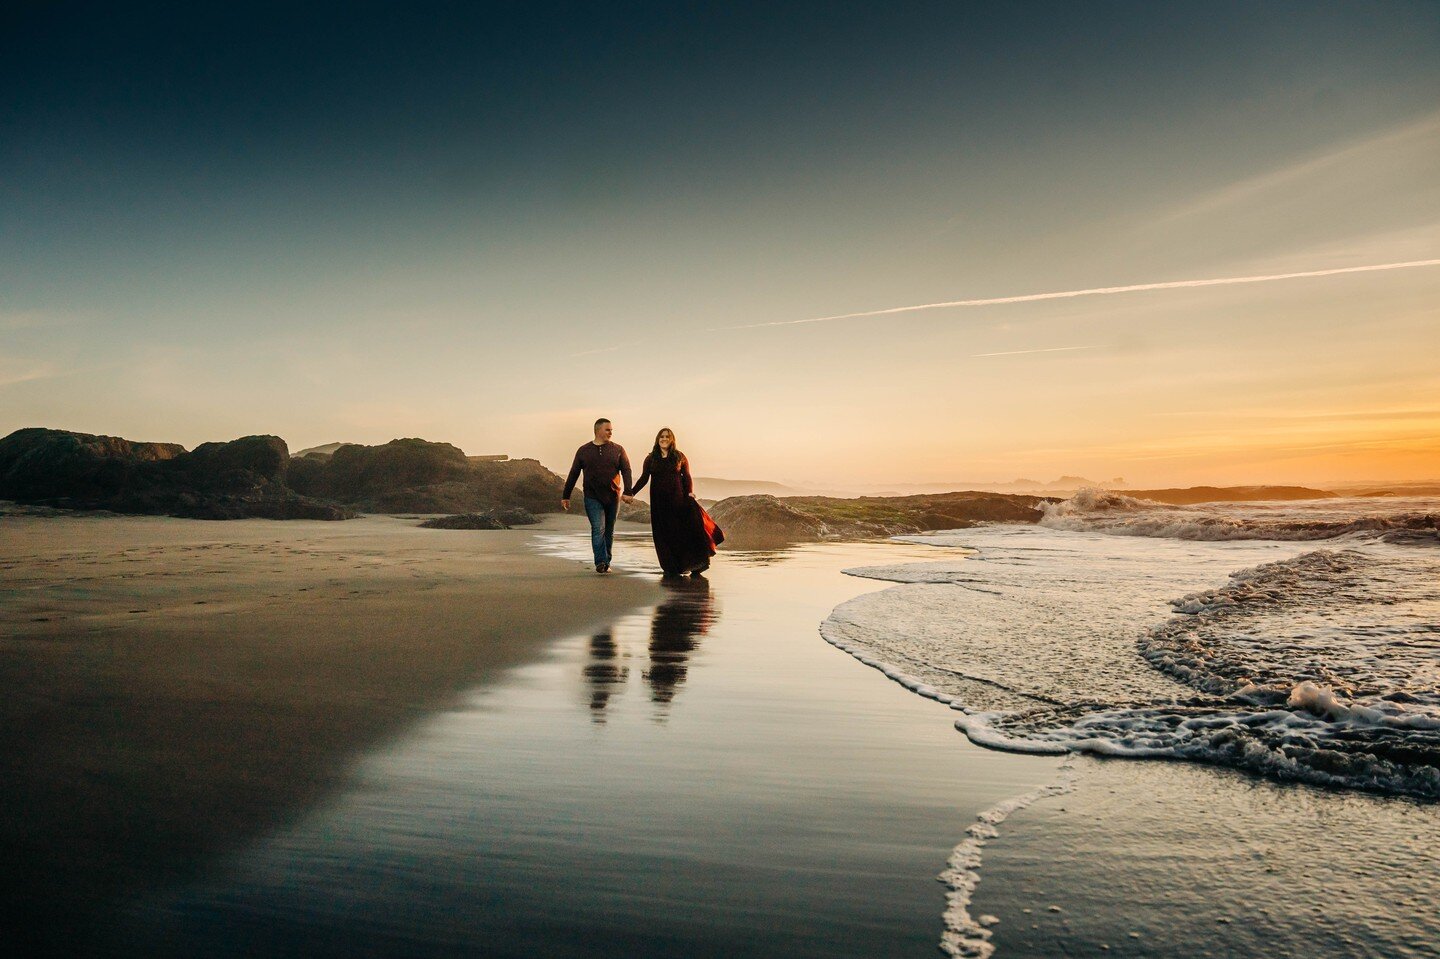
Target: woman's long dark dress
pixel 684 542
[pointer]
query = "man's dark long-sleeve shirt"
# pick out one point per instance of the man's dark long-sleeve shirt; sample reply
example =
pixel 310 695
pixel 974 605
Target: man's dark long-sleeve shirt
pixel 603 466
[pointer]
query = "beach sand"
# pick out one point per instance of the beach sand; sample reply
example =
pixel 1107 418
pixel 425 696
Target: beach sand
pixel 699 774
pixel 175 688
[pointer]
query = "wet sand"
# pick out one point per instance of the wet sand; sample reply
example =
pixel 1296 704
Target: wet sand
pixel 702 777
pixel 175 688
pixel 1185 861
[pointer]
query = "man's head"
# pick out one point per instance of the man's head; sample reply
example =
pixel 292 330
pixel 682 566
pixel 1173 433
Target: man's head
pixel 603 429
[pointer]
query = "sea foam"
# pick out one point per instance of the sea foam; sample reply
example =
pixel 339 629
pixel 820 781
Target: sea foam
pixel 966 936
pixel 1321 666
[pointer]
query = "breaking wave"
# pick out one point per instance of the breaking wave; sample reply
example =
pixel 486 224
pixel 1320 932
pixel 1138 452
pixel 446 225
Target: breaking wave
pixel 1320 667
pixel 1105 511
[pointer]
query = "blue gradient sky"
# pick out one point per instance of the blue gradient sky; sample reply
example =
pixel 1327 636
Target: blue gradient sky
pixel 489 223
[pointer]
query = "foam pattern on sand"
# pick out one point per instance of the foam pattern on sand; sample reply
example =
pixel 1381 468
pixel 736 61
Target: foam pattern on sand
pixel 967 936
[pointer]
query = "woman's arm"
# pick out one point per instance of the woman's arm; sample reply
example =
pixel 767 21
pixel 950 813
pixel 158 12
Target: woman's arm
pixel 644 478
pixel 685 479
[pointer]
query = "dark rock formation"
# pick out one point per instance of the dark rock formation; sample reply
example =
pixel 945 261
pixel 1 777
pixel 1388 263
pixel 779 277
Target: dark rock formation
pixel 934 519
pixel 417 476
pixel 636 512
pixel 242 478
pixel 465 521
pixel 306 475
pixel 397 466
pixel 514 516
pixel 763 522
pixel 266 457
pixel 499 518
pixel 39 465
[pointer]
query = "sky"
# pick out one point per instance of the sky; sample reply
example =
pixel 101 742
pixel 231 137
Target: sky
pixel 489 223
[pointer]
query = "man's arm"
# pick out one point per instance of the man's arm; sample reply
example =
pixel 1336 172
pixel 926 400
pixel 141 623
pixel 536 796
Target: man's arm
pixel 629 494
pixel 570 483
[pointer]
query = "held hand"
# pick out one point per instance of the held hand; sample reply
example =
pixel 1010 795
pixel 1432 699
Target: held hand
pixel 628 499
pixel 565 505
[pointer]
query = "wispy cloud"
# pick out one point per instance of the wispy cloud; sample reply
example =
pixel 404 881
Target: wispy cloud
pixel 1095 291
pixel 23 371
pixel 1349 164
pixel 1053 349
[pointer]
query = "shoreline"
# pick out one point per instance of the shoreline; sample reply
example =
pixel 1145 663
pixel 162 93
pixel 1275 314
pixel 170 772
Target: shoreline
pixel 175 688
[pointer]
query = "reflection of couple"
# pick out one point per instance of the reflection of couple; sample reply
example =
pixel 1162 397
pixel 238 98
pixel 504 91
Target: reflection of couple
pixel 676 627
pixel 685 536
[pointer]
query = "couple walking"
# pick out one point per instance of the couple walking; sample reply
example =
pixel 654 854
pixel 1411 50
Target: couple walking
pixel 685 536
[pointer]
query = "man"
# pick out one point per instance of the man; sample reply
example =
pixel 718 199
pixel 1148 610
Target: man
pixel 604 464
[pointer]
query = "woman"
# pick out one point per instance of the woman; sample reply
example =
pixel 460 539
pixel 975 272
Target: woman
pixel 685 536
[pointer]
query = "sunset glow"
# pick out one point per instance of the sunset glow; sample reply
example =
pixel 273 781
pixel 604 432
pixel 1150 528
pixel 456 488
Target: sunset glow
pixel 355 267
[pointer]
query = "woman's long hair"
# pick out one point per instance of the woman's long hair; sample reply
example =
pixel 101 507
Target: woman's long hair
pixel 669 464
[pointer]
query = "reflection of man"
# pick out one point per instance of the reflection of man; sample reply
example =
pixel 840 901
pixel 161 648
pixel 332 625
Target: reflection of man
pixel 604 463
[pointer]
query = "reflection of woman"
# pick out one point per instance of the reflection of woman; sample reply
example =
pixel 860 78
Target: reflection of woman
pixel 675 632
pixel 684 534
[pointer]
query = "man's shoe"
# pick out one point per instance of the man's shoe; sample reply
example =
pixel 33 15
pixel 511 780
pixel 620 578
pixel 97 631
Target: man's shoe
pixel 602 567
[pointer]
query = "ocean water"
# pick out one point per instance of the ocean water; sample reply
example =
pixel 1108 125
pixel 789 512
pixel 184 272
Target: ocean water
pixel 1297 641
pixel 1282 660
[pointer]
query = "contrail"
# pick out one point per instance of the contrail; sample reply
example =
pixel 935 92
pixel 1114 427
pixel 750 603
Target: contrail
pixel 1097 291
pixel 1053 349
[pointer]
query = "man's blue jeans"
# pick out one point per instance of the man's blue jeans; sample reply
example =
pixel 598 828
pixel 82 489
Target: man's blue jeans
pixel 602 528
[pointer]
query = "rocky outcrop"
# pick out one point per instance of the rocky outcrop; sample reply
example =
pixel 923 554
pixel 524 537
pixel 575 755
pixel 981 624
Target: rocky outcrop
pixel 235 480
pixel 418 476
pixel 502 518
pixel 40 465
pixel 763 522
pixel 356 472
pixel 636 512
pixel 464 521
